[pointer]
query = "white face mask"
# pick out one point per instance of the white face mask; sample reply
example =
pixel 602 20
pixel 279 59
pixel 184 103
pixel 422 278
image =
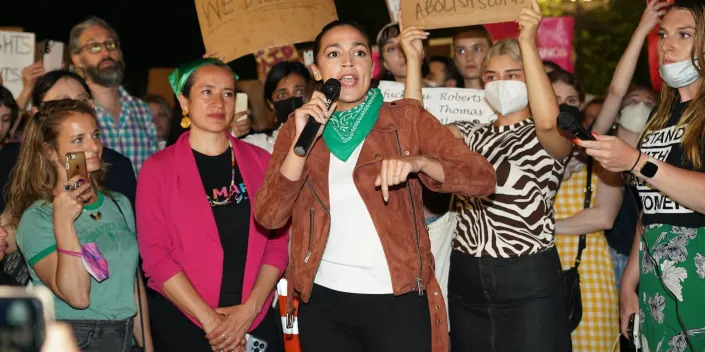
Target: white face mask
pixel 633 117
pixel 506 96
pixel 679 74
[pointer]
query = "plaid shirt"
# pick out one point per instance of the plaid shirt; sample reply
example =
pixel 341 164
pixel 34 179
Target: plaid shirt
pixel 136 135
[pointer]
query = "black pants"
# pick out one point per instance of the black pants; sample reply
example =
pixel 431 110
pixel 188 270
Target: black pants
pixel 336 321
pixel 507 304
pixel 173 331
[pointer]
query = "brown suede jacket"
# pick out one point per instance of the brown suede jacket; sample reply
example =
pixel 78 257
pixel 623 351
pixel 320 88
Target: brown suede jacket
pixel 403 128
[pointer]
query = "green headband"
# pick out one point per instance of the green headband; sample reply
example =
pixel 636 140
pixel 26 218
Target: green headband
pixel 179 77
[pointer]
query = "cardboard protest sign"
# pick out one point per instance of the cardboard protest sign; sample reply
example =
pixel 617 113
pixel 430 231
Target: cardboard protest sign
pixel 16 53
pixel 274 55
pixel 234 28
pixel 554 38
pixel 448 105
pixel 455 13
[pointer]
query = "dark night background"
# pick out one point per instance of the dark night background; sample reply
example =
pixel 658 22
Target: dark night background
pixel 165 33
pixel 153 33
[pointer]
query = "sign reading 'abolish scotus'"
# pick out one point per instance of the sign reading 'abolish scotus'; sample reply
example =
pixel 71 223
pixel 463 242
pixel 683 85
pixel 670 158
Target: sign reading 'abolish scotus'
pixel 448 105
pixel 234 28
pixel 455 13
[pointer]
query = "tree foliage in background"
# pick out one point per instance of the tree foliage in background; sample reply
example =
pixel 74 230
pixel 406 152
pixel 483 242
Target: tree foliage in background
pixel 601 36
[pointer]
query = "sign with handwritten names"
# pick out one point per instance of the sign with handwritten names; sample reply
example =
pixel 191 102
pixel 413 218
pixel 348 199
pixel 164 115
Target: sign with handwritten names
pixel 448 105
pixel 433 14
pixel 234 28
pixel 16 53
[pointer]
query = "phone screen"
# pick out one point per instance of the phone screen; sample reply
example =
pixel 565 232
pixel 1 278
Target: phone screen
pixel 21 324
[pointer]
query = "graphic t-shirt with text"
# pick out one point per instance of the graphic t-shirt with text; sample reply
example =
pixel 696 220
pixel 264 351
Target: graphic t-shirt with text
pixel 665 145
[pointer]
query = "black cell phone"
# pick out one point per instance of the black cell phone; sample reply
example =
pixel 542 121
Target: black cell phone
pixel 634 331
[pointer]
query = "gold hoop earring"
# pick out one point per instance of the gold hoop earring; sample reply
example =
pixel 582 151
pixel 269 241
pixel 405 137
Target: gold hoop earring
pixel 185 121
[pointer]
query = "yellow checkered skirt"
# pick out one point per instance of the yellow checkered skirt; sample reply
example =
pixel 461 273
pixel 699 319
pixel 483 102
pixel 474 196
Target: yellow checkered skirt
pixel 600 324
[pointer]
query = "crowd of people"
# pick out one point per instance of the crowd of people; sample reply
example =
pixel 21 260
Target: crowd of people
pixel 394 232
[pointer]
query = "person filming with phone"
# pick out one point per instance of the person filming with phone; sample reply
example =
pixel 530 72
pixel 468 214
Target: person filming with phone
pixel 78 239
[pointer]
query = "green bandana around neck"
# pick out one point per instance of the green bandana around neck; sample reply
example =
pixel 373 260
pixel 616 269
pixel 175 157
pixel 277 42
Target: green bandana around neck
pixel 347 129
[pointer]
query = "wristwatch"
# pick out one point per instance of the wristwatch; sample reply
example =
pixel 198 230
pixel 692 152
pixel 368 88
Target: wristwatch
pixel 649 168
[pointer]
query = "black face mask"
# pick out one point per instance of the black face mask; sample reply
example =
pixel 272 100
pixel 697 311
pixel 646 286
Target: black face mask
pixel 284 108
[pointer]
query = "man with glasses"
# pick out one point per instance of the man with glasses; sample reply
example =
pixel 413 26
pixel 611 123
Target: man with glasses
pixel 125 121
pixel 470 46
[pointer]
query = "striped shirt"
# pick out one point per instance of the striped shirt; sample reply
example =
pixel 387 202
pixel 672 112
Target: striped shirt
pixel 135 136
pixel 518 218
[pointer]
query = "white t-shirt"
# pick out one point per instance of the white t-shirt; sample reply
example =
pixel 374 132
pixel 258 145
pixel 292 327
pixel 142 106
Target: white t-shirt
pixel 354 260
pixel 263 140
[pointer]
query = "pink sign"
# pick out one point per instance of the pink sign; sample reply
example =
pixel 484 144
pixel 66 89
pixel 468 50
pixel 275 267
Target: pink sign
pixel 554 39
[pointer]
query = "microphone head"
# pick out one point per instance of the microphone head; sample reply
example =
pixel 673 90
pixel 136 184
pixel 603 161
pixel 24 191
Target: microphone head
pixel 331 89
pixel 568 117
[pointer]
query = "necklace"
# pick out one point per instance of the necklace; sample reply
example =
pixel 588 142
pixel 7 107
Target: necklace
pixel 95 206
pixel 214 202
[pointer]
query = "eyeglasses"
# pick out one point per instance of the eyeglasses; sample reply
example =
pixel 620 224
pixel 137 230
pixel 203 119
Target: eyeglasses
pixel 94 48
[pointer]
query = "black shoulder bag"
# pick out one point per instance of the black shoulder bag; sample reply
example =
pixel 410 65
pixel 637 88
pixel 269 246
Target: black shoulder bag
pixel 136 347
pixel 571 277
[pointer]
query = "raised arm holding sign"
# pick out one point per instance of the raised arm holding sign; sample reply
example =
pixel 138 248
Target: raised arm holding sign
pixel 455 13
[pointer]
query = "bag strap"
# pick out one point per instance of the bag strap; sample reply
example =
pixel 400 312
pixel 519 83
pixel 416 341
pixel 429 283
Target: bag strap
pixel 137 283
pixel 582 243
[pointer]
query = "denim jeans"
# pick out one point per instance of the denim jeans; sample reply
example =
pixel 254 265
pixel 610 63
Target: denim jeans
pixel 102 335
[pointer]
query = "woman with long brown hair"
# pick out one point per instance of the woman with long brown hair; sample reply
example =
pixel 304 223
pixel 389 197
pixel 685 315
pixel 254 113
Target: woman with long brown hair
pixel 77 238
pixel 667 260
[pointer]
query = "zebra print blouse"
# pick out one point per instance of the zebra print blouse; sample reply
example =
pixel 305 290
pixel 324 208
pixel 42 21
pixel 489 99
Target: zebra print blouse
pixel 518 218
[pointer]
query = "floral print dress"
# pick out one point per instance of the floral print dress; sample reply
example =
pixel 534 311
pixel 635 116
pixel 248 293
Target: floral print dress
pixel 677 255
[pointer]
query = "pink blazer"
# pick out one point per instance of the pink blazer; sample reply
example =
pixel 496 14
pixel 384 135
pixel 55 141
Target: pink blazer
pixel 177 231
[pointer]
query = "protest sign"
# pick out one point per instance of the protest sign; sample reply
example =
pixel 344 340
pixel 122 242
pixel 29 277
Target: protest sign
pixel 16 53
pixel 274 55
pixel 448 105
pixel 236 28
pixel 433 14
pixel 554 38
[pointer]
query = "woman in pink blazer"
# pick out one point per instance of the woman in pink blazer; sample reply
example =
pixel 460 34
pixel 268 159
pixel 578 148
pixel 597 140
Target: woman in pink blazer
pixel 214 267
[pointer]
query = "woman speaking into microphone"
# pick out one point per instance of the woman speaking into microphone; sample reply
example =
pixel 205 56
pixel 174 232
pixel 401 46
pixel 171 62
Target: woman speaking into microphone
pixel 360 254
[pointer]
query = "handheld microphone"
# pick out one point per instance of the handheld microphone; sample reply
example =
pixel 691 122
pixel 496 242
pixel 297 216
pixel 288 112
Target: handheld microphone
pixel 331 89
pixel 568 121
